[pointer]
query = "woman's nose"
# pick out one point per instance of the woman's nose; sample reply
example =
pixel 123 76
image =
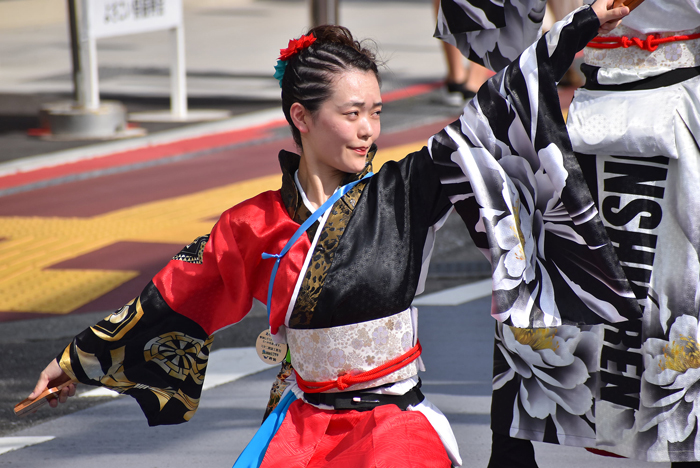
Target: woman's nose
pixel 366 130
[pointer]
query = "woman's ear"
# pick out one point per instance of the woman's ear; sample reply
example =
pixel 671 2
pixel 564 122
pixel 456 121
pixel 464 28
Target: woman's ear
pixel 300 117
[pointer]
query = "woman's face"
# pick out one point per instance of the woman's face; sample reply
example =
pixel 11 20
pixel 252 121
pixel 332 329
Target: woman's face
pixel 343 129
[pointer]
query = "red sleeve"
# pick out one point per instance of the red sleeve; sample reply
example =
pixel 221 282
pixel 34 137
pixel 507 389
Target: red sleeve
pixel 217 289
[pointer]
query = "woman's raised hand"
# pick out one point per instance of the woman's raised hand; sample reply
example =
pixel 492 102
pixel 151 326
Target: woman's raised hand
pixel 53 375
pixel 608 16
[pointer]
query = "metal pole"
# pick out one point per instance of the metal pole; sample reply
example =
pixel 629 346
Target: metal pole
pixel 324 12
pixel 75 54
pixel 178 74
pixel 90 95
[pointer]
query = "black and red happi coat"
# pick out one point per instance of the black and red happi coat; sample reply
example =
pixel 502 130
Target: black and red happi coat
pixel 506 166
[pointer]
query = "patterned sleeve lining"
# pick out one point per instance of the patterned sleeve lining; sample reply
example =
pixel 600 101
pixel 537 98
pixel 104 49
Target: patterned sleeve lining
pixel 145 350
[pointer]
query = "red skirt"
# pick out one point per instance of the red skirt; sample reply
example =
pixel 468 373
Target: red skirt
pixel 384 437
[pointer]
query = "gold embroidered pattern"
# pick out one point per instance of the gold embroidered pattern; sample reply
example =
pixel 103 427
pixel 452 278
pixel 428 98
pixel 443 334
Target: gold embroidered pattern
pixel 322 258
pixel 328 241
pixel 180 355
pixel 115 326
pixel 536 338
pixel 278 387
pixel 681 356
pixel 194 252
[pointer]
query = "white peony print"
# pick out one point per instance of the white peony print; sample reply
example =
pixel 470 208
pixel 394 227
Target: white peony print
pixel 671 386
pixel 553 367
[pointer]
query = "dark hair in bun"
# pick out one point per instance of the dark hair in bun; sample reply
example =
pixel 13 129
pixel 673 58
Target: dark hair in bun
pixel 310 73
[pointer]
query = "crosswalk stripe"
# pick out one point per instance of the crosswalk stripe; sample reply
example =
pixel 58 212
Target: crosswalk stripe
pixel 225 365
pixel 230 364
pixel 14 443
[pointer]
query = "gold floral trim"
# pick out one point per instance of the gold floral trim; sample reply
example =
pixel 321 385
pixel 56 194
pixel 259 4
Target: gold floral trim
pixel 324 252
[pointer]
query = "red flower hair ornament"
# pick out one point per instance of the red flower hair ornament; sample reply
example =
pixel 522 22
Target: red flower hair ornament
pixel 294 47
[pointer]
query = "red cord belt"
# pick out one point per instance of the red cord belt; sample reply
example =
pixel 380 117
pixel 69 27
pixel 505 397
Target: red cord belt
pixel 346 380
pixel 651 43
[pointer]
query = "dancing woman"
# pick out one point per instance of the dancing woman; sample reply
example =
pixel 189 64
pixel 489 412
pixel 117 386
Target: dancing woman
pixel 339 253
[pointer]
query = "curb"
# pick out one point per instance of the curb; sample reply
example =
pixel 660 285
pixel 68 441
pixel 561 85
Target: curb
pixel 38 171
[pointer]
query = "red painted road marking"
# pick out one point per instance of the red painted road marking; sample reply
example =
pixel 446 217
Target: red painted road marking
pixel 147 153
pixel 190 145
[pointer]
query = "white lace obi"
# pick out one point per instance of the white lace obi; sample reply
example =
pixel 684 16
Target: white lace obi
pixel 624 65
pixel 324 354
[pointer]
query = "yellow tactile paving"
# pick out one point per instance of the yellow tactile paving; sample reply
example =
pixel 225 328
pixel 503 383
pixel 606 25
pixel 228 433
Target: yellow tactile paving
pixel 33 244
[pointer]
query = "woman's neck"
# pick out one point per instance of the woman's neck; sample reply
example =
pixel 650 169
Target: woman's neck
pixel 318 183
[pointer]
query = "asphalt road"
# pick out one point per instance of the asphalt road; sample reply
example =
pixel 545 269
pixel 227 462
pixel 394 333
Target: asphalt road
pixel 458 348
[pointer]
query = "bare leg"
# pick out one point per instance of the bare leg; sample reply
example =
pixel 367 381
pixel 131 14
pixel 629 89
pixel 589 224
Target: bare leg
pixel 557 10
pixel 561 8
pixel 456 70
pixel 477 76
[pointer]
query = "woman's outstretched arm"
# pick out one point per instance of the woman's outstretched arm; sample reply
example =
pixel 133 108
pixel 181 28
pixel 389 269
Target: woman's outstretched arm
pixel 508 168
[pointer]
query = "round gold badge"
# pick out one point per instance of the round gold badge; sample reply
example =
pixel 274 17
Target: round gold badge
pixel 269 351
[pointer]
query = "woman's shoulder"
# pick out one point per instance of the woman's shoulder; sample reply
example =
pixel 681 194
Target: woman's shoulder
pixel 261 205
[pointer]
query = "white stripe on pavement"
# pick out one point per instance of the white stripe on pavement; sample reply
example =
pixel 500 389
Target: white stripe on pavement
pixel 99 392
pixel 225 365
pixel 229 364
pixel 456 296
pixel 14 443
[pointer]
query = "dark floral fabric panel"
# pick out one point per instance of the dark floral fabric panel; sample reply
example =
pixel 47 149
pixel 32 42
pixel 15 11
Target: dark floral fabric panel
pixel 322 257
pixel 492 33
pixel 509 169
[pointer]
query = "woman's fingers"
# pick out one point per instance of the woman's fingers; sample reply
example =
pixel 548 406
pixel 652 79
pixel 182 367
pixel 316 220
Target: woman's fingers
pixel 62 396
pixel 53 375
pixel 608 16
pixel 40 386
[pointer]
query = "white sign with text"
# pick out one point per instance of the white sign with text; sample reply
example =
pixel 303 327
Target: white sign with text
pixel 109 18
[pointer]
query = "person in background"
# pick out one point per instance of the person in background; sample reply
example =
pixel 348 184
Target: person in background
pixel 556 11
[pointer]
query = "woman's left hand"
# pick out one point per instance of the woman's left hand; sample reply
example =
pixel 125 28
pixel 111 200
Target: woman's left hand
pixel 51 376
pixel 608 16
